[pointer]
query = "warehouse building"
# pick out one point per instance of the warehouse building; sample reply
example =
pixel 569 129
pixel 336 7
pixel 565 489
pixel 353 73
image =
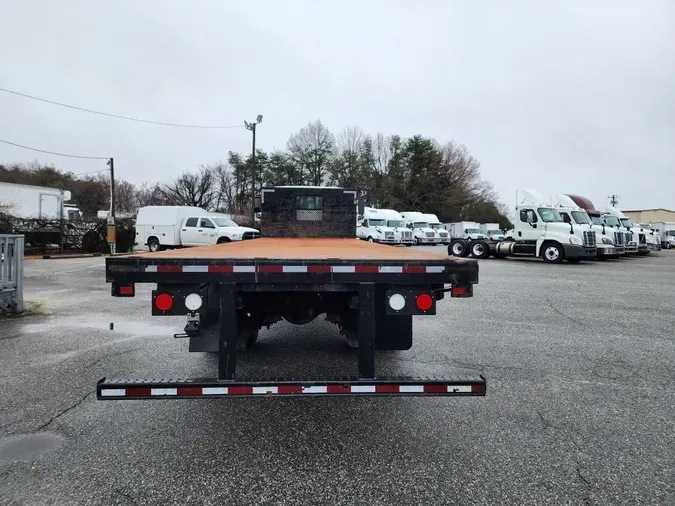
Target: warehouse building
pixel 647 215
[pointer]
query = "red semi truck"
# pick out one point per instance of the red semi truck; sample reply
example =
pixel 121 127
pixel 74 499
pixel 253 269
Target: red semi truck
pixel 308 262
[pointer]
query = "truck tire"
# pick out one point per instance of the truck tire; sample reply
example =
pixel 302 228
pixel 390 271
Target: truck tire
pixel 370 239
pixel 552 253
pixel 458 248
pixel 222 240
pixel 480 249
pixel 153 244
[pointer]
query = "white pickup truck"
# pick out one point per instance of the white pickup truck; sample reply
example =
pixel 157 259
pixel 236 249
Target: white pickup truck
pixel 163 227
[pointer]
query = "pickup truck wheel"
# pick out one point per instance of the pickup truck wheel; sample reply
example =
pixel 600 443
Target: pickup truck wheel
pixel 222 240
pixel 552 253
pixel 153 245
pixel 370 239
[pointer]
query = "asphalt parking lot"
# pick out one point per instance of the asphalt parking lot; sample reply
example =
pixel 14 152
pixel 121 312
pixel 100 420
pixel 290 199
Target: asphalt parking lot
pixel 580 409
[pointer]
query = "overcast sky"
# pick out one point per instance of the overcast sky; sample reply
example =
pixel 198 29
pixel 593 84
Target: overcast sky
pixel 567 96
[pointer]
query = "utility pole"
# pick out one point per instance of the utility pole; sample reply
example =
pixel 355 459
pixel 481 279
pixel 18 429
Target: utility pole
pixel 111 217
pixel 614 200
pixel 251 126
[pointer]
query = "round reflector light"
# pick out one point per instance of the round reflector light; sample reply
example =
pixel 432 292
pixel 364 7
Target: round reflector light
pixel 397 302
pixel 164 301
pixel 424 301
pixel 193 301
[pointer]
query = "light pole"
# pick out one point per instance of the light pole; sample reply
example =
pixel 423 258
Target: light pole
pixel 251 126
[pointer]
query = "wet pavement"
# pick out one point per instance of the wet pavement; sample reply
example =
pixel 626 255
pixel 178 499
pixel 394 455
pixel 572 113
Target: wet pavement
pixel 580 363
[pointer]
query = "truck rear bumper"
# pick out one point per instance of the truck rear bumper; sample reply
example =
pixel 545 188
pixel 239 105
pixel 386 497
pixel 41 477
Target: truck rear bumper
pixel 213 388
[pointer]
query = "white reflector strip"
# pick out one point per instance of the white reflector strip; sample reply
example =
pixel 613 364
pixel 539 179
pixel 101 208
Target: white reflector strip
pixel 243 268
pixel 150 268
pixel 394 269
pixel 411 388
pixel 356 389
pixel 214 390
pixel 195 268
pixel 294 268
pixel 315 390
pixel 435 268
pixel 459 388
pixel 113 392
pixel 343 268
pixel 265 390
pixel 163 391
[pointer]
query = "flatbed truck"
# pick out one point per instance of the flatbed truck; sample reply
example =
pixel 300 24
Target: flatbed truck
pixel 307 263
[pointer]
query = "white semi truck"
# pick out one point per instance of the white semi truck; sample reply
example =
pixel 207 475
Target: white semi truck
pixel 442 235
pixel 622 237
pixel 374 228
pixel 418 224
pixel 573 214
pixel 396 221
pixel 666 232
pixel 539 232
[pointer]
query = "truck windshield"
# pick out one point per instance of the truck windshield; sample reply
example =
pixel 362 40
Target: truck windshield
pixel 437 226
pixel 377 223
pixel 396 223
pixel 494 232
pixel 626 222
pixel 597 220
pixel 421 224
pixel 580 218
pixel 473 231
pixel 224 222
pixel 612 221
pixel 549 215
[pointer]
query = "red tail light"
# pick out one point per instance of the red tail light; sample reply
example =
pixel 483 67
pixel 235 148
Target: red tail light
pixel 164 302
pixel 424 302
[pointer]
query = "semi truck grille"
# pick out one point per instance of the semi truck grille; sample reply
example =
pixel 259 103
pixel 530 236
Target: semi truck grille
pixel 430 234
pixel 589 238
pixel 618 238
pixel 389 235
pixel 406 235
pixel 444 234
pixel 250 235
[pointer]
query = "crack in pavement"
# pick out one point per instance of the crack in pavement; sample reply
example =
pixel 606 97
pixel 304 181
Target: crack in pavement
pixel 548 301
pixel 63 412
pixel 579 452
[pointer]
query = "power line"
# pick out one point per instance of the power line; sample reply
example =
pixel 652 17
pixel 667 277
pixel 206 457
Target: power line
pixel 128 118
pixel 54 152
pixel 92 172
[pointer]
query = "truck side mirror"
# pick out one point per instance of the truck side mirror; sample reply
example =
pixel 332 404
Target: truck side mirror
pixel 257 204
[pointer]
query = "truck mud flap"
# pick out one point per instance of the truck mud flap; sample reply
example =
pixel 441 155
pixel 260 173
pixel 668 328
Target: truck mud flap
pixel 212 388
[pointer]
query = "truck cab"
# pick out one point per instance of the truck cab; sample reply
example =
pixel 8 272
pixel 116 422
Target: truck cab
pixel 540 231
pixel 442 235
pixel 373 227
pixel 421 231
pixel 571 213
pixel 396 221
pixel 617 220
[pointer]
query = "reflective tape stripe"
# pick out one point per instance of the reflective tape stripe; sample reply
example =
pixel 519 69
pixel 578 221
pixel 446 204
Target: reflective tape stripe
pixel 195 268
pixel 113 392
pixel 243 268
pixel 294 268
pixel 391 269
pixel 163 391
pixel 343 268
pixel 337 269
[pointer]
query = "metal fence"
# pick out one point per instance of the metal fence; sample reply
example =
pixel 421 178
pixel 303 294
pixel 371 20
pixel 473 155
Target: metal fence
pixel 11 274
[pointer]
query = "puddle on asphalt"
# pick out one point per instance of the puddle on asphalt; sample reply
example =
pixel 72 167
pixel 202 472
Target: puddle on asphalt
pixel 28 447
pixel 120 327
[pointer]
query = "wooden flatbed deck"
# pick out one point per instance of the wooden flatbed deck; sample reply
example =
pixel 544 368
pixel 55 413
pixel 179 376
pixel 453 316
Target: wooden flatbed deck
pixel 299 249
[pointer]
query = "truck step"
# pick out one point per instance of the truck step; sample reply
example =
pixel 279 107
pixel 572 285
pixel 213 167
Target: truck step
pixel 212 388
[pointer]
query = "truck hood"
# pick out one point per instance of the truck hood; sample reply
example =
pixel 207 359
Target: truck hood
pixel 237 230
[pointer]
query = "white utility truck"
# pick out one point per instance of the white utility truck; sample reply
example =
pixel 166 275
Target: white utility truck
pixel 37 202
pixel 422 232
pixel 467 230
pixel 396 221
pixel 442 235
pixel 573 214
pixel 539 231
pixel 373 228
pixel 166 227
pixel 492 231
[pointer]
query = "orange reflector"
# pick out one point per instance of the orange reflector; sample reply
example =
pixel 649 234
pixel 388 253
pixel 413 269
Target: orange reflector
pixel 164 302
pixel 424 301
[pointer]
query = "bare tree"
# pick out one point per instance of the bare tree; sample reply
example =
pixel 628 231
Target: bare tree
pixel 382 149
pixel 312 149
pixel 149 195
pixel 199 190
